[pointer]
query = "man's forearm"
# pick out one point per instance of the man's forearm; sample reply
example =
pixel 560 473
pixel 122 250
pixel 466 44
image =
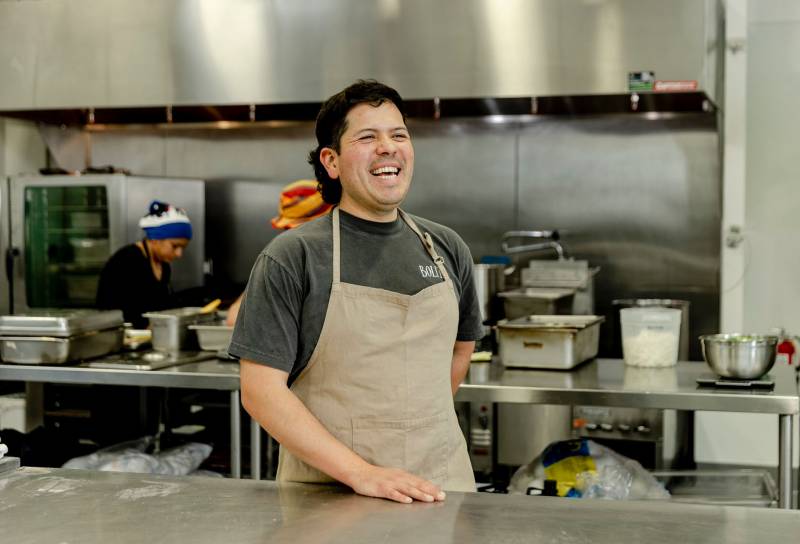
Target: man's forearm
pixel 288 420
pixel 462 352
pixel 267 398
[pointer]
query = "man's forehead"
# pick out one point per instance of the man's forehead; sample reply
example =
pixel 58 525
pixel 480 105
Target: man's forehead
pixel 365 115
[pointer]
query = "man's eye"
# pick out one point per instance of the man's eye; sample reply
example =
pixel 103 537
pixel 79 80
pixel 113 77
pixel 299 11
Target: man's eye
pixel 401 136
pixel 366 138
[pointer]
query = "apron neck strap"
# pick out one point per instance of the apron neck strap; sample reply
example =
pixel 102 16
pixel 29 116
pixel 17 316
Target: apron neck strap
pixel 427 241
pixel 336 246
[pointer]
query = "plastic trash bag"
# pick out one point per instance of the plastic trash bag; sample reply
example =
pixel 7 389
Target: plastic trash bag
pixel 583 468
pixel 131 457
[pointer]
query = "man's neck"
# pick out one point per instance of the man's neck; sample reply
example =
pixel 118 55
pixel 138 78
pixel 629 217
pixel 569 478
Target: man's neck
pixel 378 216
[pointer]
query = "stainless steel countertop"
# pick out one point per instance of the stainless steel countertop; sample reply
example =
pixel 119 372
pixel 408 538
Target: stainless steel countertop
pixel 58 505
pixel 609 382
pixel 602 382
pixel 209 374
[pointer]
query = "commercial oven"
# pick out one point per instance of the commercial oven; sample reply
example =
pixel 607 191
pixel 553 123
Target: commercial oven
pixel 64 228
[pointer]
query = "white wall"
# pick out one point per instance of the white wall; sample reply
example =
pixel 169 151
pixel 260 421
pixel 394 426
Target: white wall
pixel 762 287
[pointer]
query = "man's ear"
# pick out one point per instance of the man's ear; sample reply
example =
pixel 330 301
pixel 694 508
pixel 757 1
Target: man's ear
pixel 330 160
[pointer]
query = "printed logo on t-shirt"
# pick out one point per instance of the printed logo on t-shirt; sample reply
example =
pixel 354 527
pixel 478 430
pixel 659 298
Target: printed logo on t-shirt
pixel 430 271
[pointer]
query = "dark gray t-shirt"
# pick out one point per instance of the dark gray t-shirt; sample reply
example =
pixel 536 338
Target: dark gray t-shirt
pixel 283 309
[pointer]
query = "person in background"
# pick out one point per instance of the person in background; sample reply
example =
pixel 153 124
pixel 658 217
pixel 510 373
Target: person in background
pixel 136 279
pixel 300 202
pixel 356 329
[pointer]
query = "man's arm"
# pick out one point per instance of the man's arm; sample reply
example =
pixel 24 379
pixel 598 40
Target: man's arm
pixel 462 351
pixel 267 398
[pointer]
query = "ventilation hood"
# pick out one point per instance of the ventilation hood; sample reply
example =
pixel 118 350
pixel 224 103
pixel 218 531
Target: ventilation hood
pixel 165 61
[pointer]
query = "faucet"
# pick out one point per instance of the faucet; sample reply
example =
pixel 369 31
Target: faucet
pixel 549 237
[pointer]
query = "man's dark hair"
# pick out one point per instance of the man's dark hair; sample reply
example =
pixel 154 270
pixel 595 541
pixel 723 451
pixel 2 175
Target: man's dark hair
pixel 332 122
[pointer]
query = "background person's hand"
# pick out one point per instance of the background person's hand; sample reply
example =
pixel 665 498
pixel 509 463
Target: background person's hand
pixel 395 484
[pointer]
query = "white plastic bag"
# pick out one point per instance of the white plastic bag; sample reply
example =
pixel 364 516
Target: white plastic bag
pixel 583 468
pixel 130 457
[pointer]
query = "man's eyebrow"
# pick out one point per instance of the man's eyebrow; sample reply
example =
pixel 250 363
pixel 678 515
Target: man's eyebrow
pixel 373 129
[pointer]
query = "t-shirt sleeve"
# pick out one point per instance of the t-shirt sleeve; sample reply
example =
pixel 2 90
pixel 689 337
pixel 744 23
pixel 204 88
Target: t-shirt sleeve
pixel 268 322
pixel 470 322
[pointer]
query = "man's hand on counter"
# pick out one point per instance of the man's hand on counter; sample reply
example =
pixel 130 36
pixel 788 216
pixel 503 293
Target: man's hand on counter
pixel 394 484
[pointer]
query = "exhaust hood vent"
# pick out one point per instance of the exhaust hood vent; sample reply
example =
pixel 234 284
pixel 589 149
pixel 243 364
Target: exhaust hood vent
pixel 242 116
pixel 208 61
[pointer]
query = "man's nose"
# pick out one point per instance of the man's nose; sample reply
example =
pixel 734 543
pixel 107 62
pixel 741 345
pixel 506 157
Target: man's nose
pixel 178 252
pixel 386 145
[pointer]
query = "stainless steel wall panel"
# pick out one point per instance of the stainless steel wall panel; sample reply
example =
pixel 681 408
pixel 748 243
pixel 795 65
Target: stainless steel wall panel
pixel 638 197
pixel 81 53
pixel 239 213
pixel 140 53
pixel 278 155
pixel 72 55
pixel 140 153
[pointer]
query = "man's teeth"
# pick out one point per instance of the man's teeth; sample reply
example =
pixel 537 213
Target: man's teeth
pixel 385 170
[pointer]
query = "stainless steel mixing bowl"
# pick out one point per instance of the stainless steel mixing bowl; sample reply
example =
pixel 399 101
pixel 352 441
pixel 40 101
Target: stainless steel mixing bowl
pixel 739 356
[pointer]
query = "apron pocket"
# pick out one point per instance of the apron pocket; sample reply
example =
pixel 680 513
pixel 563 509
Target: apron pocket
pixel 419 446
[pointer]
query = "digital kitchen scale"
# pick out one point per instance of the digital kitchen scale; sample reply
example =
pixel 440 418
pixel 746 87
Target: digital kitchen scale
pixel 728 383
pixel 150 360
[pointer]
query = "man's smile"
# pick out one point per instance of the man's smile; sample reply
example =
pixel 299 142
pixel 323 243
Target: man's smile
pixel 385 172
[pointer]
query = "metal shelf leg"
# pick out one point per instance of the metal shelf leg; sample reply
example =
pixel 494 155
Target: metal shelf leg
pixel 785 438
pixel 236 436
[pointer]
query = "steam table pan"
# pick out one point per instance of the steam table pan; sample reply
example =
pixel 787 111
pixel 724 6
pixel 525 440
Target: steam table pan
pixel 59 323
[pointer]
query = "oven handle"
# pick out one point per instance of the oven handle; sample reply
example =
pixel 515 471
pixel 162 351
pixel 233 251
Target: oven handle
pixel 11 255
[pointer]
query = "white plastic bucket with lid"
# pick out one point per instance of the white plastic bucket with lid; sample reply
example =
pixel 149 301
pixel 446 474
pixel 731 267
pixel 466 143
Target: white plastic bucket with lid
pixel 650 336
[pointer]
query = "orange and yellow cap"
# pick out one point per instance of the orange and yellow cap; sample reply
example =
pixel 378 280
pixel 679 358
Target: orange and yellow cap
pixel 300 202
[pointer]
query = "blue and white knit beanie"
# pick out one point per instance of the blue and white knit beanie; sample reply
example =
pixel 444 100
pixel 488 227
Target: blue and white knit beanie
pixel 165 221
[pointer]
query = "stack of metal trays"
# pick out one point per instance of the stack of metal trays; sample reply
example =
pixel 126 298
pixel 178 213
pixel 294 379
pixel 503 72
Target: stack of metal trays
pixel 526 301
pixel 55 336
pixel 574 274
pixel 566 274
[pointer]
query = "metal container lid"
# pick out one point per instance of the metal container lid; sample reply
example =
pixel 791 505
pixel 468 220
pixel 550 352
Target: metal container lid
pixel 178 317
pixel 217 327
pixel 553 322
pixel 539 293
pixel 650 302
pixel 59 322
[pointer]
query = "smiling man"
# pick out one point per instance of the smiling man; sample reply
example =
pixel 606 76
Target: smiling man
pixel 356 328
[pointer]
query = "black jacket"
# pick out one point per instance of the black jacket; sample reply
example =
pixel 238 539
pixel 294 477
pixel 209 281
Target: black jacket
pixel 127 283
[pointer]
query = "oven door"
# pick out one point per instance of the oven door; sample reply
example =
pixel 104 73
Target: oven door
pixel 63 230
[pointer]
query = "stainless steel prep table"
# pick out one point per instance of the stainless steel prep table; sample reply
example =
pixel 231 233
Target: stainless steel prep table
pixel 609 382
pixel 60 505
pixel 209 374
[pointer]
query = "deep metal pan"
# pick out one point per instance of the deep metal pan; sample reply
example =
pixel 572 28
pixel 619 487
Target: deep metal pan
pixel 50 350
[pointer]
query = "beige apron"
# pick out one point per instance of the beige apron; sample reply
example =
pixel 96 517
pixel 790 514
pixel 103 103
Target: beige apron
pixel 379 378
